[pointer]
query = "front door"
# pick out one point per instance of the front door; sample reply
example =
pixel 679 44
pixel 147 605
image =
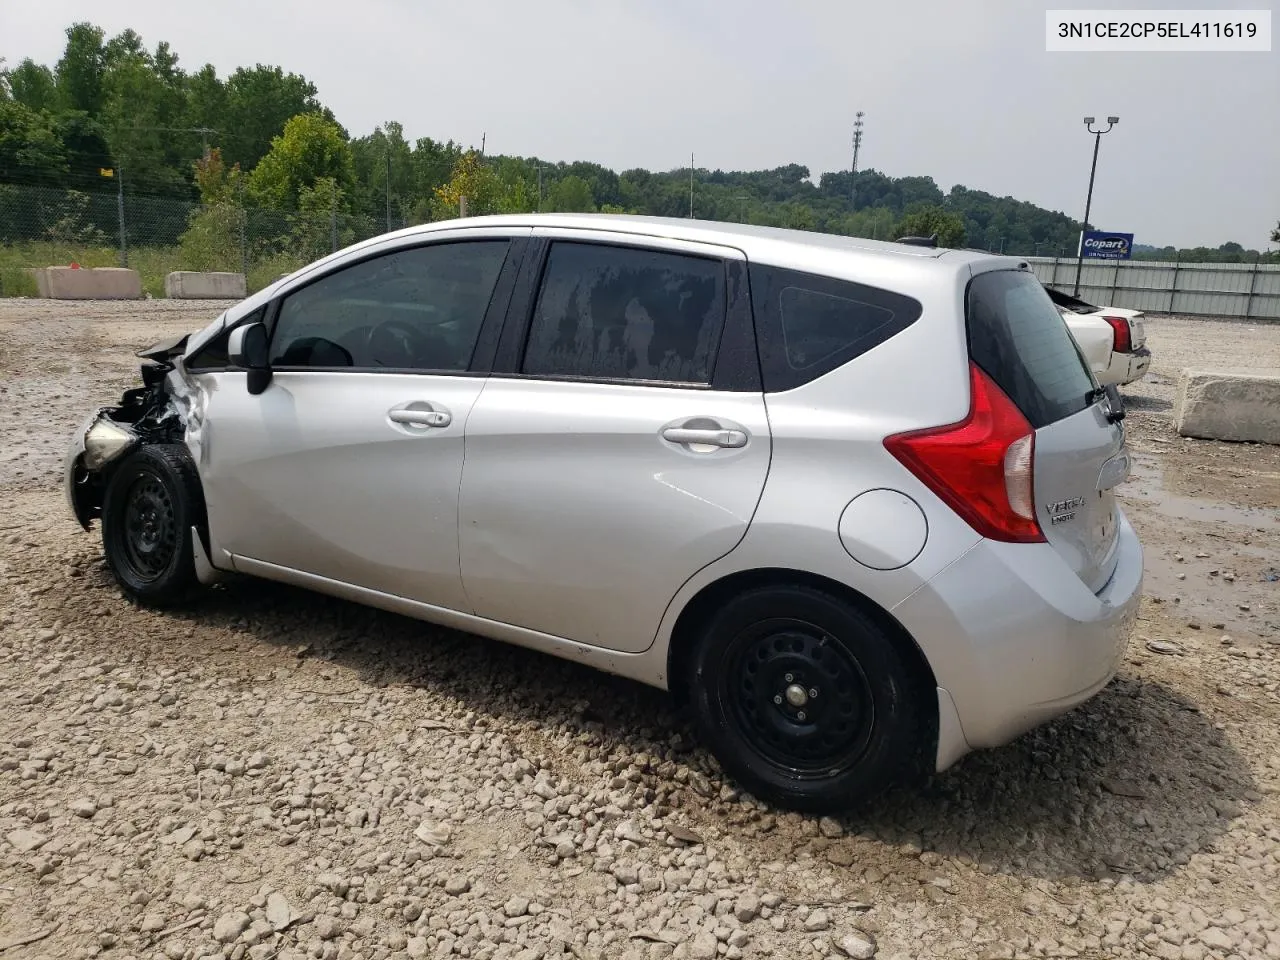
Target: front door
pixel 609 466
pixel 347 466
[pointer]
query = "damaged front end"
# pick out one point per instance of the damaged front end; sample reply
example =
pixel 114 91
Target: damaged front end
pixel 153 413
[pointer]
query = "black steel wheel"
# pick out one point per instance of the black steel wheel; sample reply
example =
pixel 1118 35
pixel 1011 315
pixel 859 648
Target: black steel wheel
pixel 150 528
pixel 152 501
pixel 799 695
pixel 807 701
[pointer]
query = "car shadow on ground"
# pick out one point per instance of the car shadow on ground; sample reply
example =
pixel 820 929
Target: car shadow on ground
pixel 1146 404
pixel 1089 795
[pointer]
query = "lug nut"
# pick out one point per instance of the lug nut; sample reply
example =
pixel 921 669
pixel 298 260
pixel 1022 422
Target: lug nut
pixel 800 715
pixel 813 692
pixel 777 698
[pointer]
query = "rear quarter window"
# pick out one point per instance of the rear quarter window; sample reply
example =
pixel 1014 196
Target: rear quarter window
pixel 808 324
pixel 1018 338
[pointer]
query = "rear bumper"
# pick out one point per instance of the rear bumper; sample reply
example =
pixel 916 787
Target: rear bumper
pixel 1015 638
pixel 1126 367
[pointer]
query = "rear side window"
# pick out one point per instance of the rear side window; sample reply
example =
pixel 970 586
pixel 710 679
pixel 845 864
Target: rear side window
pixel 623 313
pixel 1018 338
pixel 809 324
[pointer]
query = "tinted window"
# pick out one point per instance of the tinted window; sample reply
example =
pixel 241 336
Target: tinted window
pixel 415 309
pixel 808 324
pixel 617 313
pixel 213 355
pixel 1017 336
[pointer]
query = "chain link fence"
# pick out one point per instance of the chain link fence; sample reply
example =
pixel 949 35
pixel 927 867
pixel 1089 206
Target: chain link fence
pixel 42 227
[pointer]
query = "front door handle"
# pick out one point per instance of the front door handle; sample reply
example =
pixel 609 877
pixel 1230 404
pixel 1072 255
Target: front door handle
pixel 715 438
pixel 420 418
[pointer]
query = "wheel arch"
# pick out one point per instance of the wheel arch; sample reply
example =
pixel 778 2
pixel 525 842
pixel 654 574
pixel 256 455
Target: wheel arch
pixel 702 604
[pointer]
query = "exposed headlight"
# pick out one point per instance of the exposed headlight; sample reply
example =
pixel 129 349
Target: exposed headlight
pixel 105 441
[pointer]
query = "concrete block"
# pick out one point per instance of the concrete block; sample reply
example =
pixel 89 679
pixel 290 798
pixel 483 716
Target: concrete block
pixel 1217 405
pixel 190 285
pixel 88 283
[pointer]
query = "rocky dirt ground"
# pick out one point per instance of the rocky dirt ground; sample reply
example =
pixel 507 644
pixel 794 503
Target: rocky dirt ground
pixel 273 774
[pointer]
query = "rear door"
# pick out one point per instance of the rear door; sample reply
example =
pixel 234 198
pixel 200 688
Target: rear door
pixel 1018 338
pixel 621 444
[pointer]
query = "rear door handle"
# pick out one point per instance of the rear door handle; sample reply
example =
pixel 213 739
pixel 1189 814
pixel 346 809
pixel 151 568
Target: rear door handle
pixel 715 438
pixel 421 418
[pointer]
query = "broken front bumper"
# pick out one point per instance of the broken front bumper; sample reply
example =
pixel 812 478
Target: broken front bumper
pixel 98 441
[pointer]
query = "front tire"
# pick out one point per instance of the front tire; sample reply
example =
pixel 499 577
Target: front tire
pixel 152 501
pixel 806 701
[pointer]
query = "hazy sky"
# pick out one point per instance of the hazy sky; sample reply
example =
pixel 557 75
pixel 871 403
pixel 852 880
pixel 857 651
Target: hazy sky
pixel 960 90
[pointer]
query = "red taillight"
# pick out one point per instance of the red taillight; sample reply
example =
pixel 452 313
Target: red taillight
pixel 1124 342
pixel 981 467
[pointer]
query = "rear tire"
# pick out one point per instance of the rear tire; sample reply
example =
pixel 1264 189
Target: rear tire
pixel 152 501
pixel 806 701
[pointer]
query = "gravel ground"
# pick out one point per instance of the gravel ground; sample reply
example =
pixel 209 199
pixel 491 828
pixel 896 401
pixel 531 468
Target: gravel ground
pixel 273 774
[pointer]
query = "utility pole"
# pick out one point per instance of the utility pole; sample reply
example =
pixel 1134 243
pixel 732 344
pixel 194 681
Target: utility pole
pixel 482 136
pixel 388 186
pixel 1088 203
pixel 691 185
pixel 742 218
pixel 539 188
pixel 857 144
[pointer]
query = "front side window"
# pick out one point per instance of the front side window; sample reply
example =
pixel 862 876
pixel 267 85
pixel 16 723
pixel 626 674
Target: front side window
pixel 621 313
pixel 414 309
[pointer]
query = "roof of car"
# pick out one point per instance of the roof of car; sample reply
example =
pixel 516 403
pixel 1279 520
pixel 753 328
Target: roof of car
pixel 853 257
pixel 743 236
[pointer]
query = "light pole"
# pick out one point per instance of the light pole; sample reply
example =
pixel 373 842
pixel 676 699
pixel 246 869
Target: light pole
pixel 1088 203
pixel 742 217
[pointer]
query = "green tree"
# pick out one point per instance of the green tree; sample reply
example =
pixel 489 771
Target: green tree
pixel 316 229
pixel 142 109
pixel 79 73
pixel 310 148
pixel 259 102
pixel 1275 234
pixel 472 179
pixel 85 144
pixel 384 149
pixel 570 195
pixel 29 151
pixel 32 85
pixel 215 234
pixel 926 221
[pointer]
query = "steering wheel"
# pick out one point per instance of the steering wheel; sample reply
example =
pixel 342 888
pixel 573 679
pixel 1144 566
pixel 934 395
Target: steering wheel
pixel 401 340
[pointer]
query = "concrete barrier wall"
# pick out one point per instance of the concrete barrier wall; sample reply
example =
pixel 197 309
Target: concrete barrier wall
pixel 190 285
pixel 88 283
pixel 1214 405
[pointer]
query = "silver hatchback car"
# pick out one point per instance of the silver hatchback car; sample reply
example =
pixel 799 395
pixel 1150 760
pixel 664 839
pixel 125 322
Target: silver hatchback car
pixel 852 502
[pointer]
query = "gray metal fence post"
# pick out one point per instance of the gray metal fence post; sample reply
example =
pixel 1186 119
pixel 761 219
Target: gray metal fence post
pixel 1173 284
pixel 244 246
pixel 124 244
pixel 1115 282
pixel 1253 287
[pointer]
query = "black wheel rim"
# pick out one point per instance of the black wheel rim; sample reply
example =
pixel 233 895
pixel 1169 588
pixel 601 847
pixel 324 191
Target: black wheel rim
pixel 798 697
pixel 150 528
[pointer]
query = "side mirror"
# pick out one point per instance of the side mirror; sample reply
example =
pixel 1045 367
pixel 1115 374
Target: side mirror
pixel 247 350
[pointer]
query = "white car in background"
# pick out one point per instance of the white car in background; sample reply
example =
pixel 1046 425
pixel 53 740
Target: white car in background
pixel 1112 339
